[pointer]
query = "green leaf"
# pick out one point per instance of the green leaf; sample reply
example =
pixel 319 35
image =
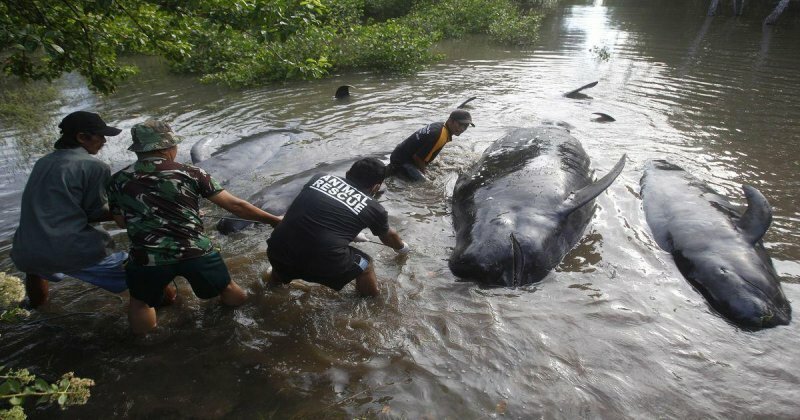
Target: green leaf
pixel 5 388
pixel 41 385
pixel 57 48
pixel 15 401
pixel 62 399
pixel 14 385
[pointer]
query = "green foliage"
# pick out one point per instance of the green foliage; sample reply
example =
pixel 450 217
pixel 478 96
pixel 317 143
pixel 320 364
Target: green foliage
pixel 382 10
pixel 513 29
pixel 243 42
pixel 19 385
pixel 501 19
pixel 12 291
pixel 388 46
pixel 24 107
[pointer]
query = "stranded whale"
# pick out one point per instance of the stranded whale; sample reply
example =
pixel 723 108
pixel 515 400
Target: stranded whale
pixel 523 206
pixel 716 246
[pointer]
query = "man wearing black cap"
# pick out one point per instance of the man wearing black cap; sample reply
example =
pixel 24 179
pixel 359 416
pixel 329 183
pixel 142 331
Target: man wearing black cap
pixel 64 194
pixel 411 157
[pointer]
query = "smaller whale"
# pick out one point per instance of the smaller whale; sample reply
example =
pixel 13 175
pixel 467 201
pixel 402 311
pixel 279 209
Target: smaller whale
pixel 716 246
pixel 276 197
pixel 523 206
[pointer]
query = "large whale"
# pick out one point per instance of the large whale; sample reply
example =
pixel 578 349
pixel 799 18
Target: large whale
pixel 523 206
pixel 715 245
pixel 276 197
pixel 243 156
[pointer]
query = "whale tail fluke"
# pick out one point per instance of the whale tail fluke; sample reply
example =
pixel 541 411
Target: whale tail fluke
pixel 588 193
pixel 756 219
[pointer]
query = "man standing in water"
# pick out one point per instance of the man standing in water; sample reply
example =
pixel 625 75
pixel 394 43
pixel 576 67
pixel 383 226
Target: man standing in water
pixel 64 196
pixel 410 158
pixel 313 241
pixel 158 201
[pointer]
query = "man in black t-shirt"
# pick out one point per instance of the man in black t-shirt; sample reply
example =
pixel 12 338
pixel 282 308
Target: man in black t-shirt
pixel 411 157
pixel 313 240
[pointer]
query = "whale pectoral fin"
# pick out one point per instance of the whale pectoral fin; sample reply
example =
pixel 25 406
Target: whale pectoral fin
pixel 576 92
pixel 756 219
pixel 463 104
pixel 589 192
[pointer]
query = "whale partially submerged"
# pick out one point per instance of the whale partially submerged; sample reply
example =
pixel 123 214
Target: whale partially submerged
pixel 523 206
pixel 716 246
pixel 243 156
pixel 276 197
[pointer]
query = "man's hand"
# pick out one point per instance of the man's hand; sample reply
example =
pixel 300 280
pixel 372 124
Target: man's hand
pixel 361 237
pixel 404 250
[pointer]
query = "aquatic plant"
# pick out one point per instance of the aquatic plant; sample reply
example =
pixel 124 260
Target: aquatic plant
pixel 19 385
pixel 601 53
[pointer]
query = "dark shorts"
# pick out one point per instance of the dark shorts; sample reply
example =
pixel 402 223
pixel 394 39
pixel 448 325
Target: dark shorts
pixel 208 275
pixel 336 281
pixel 407 171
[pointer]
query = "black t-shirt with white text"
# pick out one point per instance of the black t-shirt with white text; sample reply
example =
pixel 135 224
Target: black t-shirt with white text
pixel 321 222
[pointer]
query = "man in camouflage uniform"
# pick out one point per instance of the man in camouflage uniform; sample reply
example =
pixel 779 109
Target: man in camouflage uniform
pixel 157 200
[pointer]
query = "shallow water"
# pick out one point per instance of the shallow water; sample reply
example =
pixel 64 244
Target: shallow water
pixel 615 331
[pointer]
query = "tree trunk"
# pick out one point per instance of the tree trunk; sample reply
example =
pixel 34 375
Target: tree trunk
pixel 712 8
pixel 770 20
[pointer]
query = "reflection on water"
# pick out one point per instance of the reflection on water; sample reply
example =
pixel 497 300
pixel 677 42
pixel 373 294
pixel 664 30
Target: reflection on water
pixel 615 331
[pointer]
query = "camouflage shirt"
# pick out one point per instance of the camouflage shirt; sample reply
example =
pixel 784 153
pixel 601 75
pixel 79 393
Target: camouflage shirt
pixel 160 202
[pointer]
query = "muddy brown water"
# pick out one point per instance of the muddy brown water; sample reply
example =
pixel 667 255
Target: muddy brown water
pixel 614 332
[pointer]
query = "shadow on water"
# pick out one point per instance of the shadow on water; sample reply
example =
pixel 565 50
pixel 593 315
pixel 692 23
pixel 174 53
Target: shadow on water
pixel 614 332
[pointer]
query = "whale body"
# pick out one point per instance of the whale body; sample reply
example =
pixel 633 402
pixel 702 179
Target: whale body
pixel 716 246
pixel 523 206
pixel 278 196
pixel 242 157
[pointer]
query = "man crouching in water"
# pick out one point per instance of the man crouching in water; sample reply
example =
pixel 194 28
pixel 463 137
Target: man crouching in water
pixel 313 240
pixel 158 201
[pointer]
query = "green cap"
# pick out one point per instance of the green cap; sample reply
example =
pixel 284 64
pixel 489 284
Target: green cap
pixel 153 135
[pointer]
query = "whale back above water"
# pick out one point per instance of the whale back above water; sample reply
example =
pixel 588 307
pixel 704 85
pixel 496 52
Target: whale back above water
pixel 523 206
pixel 716 246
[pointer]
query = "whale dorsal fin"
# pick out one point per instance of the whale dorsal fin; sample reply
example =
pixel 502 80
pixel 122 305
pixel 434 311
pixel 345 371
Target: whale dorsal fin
pixel 756 219
pixel 589 192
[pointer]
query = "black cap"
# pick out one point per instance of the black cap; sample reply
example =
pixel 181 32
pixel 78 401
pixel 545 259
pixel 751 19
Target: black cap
pixel 461 116
pixel 83 122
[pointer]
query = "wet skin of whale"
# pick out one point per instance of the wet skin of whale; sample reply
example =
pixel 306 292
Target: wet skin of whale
pixel 523 206
pixel 243 156
pixel 276 197
pixel 716 246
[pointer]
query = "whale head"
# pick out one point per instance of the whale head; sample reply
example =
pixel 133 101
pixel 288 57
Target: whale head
pixel 743 286
pixel 508 258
